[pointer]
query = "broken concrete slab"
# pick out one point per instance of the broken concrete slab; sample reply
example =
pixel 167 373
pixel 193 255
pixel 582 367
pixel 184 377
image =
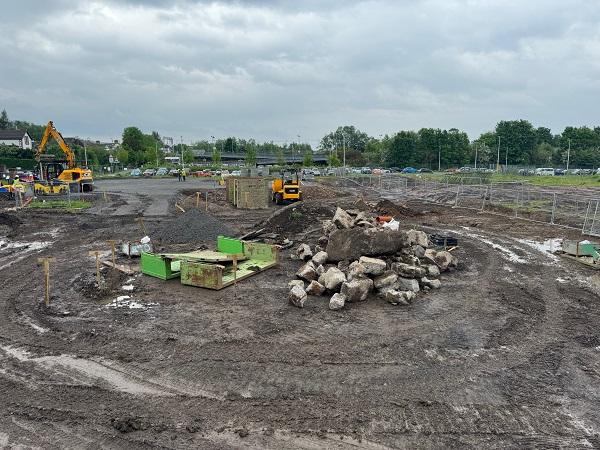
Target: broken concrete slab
pixel 356 242
pixel 315 288
pixel 319 258
pixel 357 290
pixel 304 252
pixel 332 279
pixel 433 271
pixel 342 219
pixel 328 227
pixel 297 296
pixel 296 283
pixel 416 237
pixel 337 301
pixel 388 278
pixel 373 266
pixel 399 297
pixel 408 271
pixel 307 272
pixel 432 284
pixel 356 270
pixel 407 284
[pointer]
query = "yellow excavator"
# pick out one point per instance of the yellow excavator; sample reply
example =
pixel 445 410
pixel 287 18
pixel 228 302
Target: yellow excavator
pixel 286 188
pixel 58 177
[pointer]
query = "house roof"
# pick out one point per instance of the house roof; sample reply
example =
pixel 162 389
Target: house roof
pixel 11 134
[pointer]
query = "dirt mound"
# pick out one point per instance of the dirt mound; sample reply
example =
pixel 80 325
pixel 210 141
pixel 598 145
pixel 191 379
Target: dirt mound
pixel 8 224
pixel 387 207
pixel 111 282
pixel 298 217
pixel 190 227
pixel 320 191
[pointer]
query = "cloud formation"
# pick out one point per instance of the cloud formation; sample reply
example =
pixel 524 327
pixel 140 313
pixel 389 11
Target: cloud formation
pixel 280 69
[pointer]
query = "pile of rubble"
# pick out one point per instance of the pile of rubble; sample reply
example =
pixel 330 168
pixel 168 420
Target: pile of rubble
pixel 356 257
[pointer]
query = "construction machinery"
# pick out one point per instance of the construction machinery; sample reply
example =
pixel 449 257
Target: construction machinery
pixel 286 188
pixel 57 177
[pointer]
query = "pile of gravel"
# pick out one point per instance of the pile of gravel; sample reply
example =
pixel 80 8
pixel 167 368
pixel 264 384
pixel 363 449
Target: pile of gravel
pixel 193 226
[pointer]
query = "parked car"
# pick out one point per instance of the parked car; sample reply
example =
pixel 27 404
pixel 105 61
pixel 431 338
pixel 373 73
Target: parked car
pixel 545 171
pixel 395 169
pixel 586 172
pixel 236 173
pixel 465 170
pixel 316 172
pixel 366 170
pixel 559 172
pixel 149 172
pixel 409 170
pixel 136 173
pixel 174 172
pixel 162 172
pixel 425 170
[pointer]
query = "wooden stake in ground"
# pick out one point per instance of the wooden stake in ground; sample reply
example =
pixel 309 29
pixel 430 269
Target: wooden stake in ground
pixel 197 200
pixel 112 243
pixel 96 253
pixel 235 276
pixel 104 195
pixel 140 220
pixel 45 262
pixel 206 209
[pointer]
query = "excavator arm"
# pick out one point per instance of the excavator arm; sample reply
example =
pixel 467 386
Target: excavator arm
pixel 51 131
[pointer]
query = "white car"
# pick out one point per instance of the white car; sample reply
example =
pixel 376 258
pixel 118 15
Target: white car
pixel 545 171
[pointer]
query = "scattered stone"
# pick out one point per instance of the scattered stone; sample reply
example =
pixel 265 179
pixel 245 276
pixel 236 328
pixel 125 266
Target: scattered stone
pixel 328 227
pixel 397 297
pixel 318 248
pixel 418 251
pixel 356 242
pixel 385 280
pixel 433 284
pixel 357 290
pixel 304 252
pixel 355 270
pixel 416 237
pixel 297 296
pixel 323 241
pixel 445 259
pixel 373 266
pixel 315 288
pixel 319 258
pixel 407 284
pixel 332 279
pixel 307 272
pixel 320 270
pixel 433 271
pixel 337 301
pixel 342 219
pixel 408 271
pixel 293 283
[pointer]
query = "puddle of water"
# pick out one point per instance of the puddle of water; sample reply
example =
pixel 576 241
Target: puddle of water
pixel 24 251
pixel 548 247
pixel 125 301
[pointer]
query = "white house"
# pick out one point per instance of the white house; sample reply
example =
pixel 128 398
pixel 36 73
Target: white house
pixel 16 137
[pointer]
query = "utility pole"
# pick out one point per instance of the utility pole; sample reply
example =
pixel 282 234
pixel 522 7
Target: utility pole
pixel 569 154
pixel 476 148
pixel 439 156
pixel 182 151
pixel 344 150
pixel 498 160
pixel 156 151
pixel 85 154
pixel 506 159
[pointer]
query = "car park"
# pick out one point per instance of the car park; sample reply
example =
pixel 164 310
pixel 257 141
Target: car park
pixel 409 170
pixel 559 172
pixel 149 172
pixel 545 171
pixel 136 173
pixel 162 172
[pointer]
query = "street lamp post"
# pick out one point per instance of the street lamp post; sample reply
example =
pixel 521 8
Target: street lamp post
pixel 85 154
pixel 569 154
pixel 498 160
pixel 476 148
pixel 344 150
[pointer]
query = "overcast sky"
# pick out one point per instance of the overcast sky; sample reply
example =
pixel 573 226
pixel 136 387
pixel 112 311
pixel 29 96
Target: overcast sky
pixel 278 69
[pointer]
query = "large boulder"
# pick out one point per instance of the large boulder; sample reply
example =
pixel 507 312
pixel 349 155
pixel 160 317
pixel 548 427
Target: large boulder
pixel 416 237
pixel 319 258
pixel 356 242
pixel 328 227
pixel 373 266
pixel 297 296
pixel 408 271
pixel 385 280
pixel 332 279
pixel 337 301
pixel 444 260
pixel 315 288
pixel 307 272
pixel 357 290
pixel 433 271
pixel 304 252
pixel 407 284
pixel 342 219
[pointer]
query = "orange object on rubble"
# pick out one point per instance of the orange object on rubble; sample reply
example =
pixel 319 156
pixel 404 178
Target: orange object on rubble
pixel 383 219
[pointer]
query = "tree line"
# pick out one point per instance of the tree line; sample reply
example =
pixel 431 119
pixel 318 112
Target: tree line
pixel 513 142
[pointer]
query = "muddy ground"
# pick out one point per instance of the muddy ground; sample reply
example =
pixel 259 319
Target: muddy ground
pixel 505 354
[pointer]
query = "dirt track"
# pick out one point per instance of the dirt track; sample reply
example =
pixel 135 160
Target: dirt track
pixel 505 354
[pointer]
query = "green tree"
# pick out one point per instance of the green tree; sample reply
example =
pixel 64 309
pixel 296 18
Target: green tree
pixel 216 157
pixel 188 155
pixel 250 157
pixel 133 142
pixel 517 141
pixel 280 157
pixel 333 160
pixel 347 136
pixel 122 155
pixel 307 161
pixel 403 148
pixel 542 154
pixel 4 121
